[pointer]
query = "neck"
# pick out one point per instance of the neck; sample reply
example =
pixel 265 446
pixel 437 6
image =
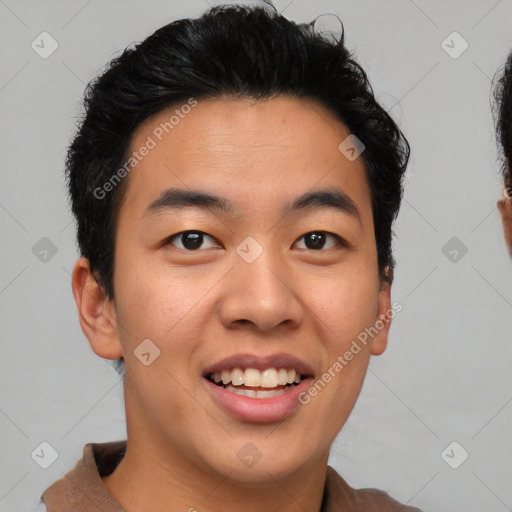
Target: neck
pixel 145 481
pixel 158 475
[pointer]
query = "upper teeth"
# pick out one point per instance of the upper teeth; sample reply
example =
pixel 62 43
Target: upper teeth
pixel 269 378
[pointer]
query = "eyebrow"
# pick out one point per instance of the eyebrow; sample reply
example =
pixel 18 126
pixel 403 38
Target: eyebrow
pixel 175 198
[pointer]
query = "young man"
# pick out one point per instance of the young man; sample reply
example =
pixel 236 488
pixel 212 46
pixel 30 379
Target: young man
pixel 503 115
pixel 235 184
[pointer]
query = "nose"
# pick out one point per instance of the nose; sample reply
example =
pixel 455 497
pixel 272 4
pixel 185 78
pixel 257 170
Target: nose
pixel 262 295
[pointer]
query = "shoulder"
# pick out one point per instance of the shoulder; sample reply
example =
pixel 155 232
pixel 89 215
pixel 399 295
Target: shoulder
pixel 367 499
pixel 380 501
pixel 82 486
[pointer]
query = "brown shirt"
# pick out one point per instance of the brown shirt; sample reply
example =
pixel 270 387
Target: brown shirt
pixel 82 490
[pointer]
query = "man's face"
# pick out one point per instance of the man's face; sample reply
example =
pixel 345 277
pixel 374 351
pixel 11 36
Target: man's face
pixel 267 288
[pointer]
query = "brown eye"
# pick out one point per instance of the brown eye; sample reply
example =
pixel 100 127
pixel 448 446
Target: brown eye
pixel 316 240
pixel 189 240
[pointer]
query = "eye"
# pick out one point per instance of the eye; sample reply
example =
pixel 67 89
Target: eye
pixel 316 240
pixel 189 240
pixel 192 240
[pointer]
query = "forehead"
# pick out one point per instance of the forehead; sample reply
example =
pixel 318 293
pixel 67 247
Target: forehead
pixel 257 153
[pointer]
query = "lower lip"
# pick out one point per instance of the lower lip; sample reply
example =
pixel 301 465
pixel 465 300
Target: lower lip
pixel 257 410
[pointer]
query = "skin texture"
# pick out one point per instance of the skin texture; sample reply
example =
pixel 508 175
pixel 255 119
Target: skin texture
pixel 201 306
pixel 505 209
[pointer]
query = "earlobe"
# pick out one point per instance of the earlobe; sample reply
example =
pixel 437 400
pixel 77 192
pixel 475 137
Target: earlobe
pixel 96 314
pixel 383 319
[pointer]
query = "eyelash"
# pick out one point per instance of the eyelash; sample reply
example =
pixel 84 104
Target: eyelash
pixel 341 242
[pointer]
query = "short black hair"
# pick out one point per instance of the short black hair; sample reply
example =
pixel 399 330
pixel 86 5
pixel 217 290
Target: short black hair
pixel 502 111
pixel 234 51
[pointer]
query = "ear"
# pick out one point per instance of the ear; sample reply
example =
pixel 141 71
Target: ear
pixel 96 313
pixel 505 208
pixel 383 319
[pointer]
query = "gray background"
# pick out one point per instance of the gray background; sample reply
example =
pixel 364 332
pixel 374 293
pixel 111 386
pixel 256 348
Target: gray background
pixel 446 374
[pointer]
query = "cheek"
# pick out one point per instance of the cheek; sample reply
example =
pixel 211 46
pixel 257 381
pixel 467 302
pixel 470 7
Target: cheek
pixel 346 304
pixel 167 308
pixel 147 306
pixel 346 309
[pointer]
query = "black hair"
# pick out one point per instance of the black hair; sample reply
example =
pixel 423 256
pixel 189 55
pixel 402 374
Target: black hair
pixel 502 111
pixel 232 51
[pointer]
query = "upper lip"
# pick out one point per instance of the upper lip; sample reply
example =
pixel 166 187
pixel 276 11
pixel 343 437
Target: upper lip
pixel 281 360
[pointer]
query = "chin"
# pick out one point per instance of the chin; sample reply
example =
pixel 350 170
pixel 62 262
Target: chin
pixel 252 467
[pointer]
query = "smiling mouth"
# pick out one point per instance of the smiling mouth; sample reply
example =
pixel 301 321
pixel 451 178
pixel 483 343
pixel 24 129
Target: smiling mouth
pixel 253 383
